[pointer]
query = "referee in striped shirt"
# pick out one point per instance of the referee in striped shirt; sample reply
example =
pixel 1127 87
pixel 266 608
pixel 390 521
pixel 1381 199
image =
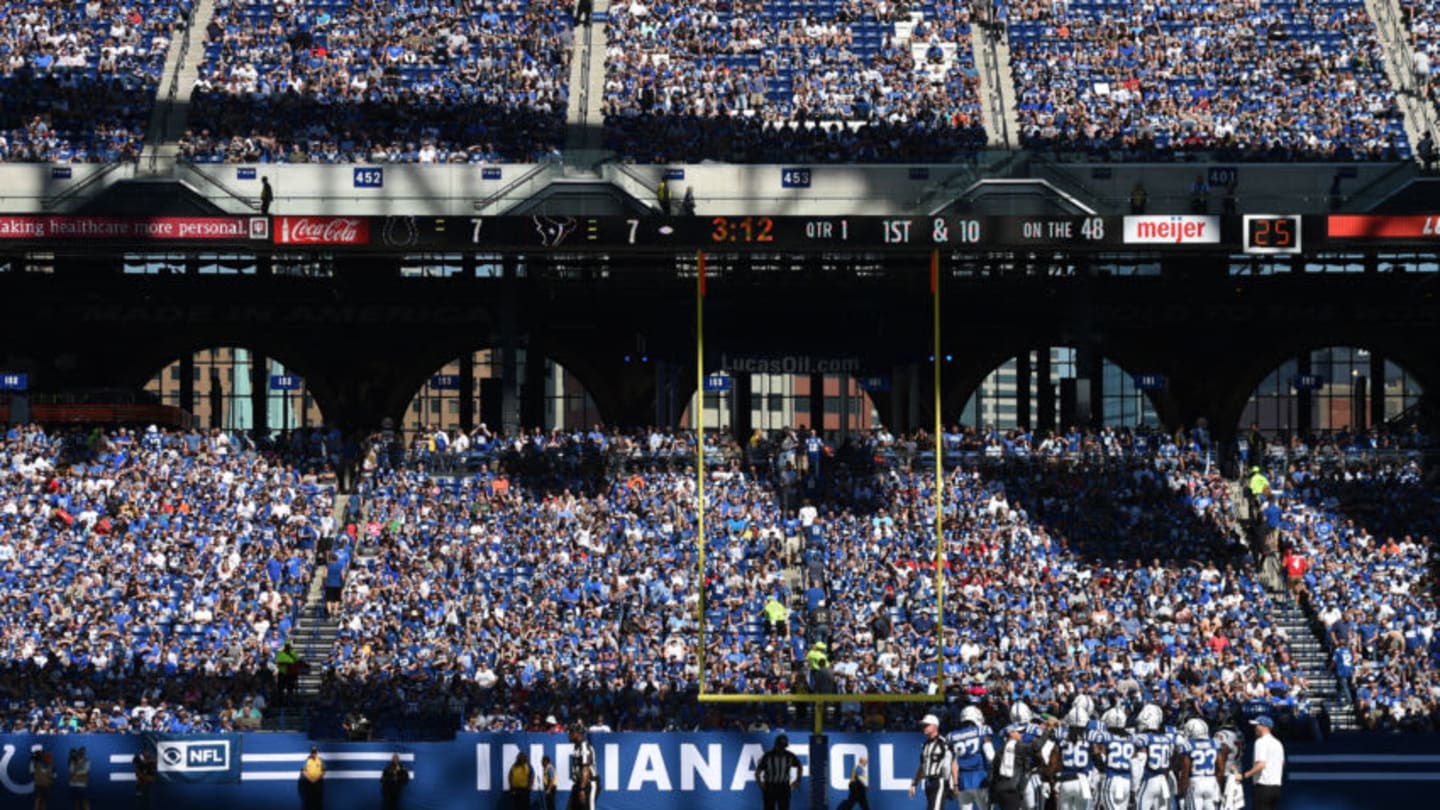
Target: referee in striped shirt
pixel 934 765
pixel 773 772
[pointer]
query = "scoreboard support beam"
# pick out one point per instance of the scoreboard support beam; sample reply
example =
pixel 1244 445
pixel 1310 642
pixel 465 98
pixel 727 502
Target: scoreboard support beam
pixel 1304 399
pixel 1045 390
pixel 1377 389
pixel 187 382
pixel 259 392
pixel 467 391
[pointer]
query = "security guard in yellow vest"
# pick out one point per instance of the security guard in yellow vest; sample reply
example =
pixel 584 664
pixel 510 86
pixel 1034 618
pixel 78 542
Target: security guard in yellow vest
pixel 776 617
pixel 522 779
pixel 817 657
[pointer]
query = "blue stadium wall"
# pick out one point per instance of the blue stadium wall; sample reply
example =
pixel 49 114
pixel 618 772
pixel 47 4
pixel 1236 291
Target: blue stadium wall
pixel 646 771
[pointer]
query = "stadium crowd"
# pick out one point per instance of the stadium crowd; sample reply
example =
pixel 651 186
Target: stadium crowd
pixel 78 80
pixel 147 578
pixel 383 82
pixel 577 598
pixel 746 81
pixel 1135 81
pixel 1369 584
pixel 497 582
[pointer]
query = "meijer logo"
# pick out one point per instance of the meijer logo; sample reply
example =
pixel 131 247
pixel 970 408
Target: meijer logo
pixel 1178 229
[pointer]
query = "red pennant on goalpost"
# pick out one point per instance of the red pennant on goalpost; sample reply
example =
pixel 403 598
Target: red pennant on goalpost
pixel 702 273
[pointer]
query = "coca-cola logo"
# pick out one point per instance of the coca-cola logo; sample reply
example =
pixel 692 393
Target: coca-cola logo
pixel 322 231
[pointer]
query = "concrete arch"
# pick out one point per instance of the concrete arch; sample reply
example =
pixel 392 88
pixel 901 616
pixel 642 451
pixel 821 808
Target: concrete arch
pixel 1413 357
pixel 743 421
pixel 415 375
pixel 971 371
pixel 152 358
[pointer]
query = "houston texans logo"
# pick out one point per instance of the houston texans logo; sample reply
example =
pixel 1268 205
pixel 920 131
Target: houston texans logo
pixel 553 231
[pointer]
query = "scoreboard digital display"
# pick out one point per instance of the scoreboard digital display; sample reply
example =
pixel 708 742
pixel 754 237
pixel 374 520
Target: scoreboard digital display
pixel 542 233
pixel 752 233
pixel 1270 233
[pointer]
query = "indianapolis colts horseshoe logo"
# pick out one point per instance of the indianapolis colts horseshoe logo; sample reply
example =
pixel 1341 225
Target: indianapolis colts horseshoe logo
pixel 5 780
pixel 400 231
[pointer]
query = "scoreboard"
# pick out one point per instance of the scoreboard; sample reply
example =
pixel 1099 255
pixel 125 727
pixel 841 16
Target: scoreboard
pixel 1160 233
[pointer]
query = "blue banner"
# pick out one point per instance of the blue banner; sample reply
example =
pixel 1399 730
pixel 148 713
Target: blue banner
pixel 794 178
pixel 284 382
pixel 875 383
pixel 14 382
pixel 212 758
pixel 369 177
pixel 1308 382
pixel 719 382
pixel 1150 382
pixel 639 771
pixel 445 382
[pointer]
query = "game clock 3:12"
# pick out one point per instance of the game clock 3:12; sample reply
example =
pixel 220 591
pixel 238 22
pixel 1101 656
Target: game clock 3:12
pixel 745 230
pixel 1272 233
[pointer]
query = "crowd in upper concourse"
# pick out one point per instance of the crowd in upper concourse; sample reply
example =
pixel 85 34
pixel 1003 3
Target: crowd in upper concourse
pixel 382 82
pixel 1240 80
pixel 78 80
pixel 747 81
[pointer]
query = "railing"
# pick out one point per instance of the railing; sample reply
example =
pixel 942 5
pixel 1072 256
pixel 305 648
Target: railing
pixel 582 93
pixel 163 136
pixel 1392 31
pixel 82 188
pixel 505 191
pixel 252 203
pixel 996 81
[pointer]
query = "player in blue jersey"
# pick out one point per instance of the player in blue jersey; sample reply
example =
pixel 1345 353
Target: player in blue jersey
pixel 1201 767
pixel 1119 751
pixel 971 751
pixel 1079 750
pixel 1160 748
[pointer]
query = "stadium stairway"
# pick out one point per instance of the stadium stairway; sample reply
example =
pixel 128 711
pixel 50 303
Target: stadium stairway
pixel 1311 657
pixel 1420 116
pixel 997 86
pixel 172 105
pixel 314 637
pixel 584 117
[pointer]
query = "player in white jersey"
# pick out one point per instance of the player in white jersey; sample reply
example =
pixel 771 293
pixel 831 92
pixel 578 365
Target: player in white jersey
pixel 1119 750
pixel 1199 769
pixel 1079 749
pixel 1160 749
